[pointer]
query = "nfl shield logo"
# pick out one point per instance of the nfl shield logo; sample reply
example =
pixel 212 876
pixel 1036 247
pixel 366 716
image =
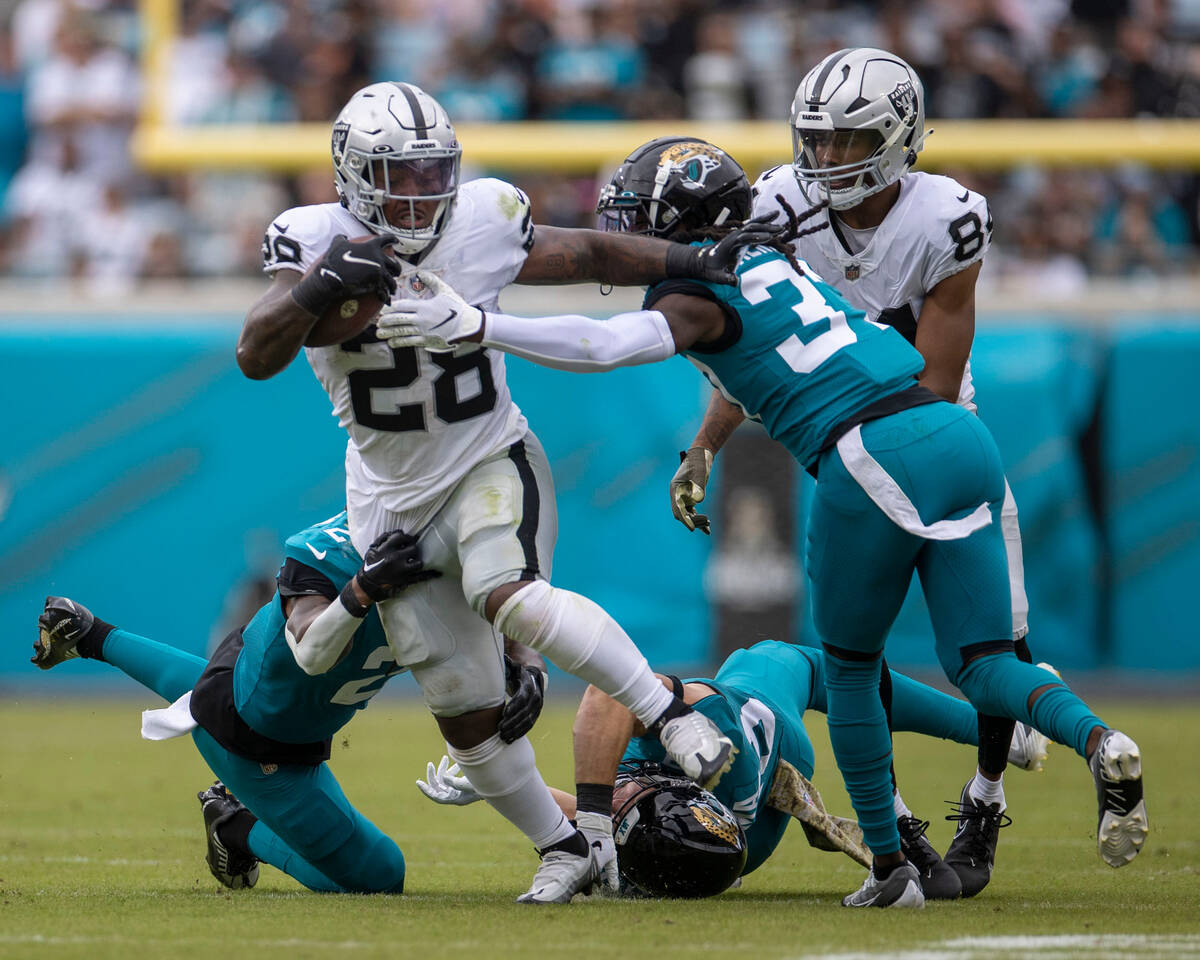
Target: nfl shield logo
pixel 852 272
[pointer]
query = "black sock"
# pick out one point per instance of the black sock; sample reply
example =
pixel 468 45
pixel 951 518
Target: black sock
pixel 995 737
pixel 677 709
pixel 1022 649
pixel 91 644
pixel 594 798
pixel 235 832
pixel 882 873
pixel 576 843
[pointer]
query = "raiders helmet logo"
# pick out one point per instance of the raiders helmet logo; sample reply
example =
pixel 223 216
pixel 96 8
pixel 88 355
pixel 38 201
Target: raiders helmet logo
pixel 692 161
pixel 341 133
pixel 904 101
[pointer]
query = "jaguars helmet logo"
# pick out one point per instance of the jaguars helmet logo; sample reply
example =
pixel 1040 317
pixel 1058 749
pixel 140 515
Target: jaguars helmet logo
pixel 693 162
pixel 904 101
pixel 715 824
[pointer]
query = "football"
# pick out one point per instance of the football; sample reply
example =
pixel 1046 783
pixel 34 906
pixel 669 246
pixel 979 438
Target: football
pixel 344 321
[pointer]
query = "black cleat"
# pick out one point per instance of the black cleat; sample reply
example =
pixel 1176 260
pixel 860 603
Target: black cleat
pixel 972 852
pixel 62 624
pixel 938 881
pixel 234 868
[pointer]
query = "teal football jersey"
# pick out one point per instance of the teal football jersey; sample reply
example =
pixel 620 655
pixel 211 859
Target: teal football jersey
pixel 758 705
pixel 804 360
pixel 271 693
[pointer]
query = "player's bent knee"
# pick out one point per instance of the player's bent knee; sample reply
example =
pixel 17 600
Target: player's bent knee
pixel 1033 697
pixel 494 598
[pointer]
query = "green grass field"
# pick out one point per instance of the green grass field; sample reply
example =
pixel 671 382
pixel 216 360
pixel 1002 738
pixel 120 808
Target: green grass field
pixel 101 855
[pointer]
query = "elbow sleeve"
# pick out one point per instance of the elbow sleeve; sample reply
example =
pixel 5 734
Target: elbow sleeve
pixel 581 344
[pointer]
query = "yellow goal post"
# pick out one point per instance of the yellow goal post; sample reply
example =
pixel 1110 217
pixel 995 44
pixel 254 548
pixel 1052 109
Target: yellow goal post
pixel 597 147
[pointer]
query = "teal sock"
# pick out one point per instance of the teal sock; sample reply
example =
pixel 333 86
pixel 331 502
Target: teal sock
pixel 168 671
pixel 861 742
pixel 918 708
pixel 1000 685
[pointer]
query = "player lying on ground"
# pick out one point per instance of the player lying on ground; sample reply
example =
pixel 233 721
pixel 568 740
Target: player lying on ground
pixel 263 722
pixel 758 699
pixel 436 444
pixel 906 248
pixel 906 481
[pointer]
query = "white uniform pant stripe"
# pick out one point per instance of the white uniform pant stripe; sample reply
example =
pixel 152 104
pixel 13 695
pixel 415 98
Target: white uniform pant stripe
pixel 886 494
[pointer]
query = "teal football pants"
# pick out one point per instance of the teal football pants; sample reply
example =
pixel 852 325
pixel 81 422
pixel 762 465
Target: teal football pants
pixel 936 488
pixel 306 826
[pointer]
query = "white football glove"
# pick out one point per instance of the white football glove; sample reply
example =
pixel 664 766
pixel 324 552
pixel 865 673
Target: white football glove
pixel 597 828
pixel 437 324
pixel 447 784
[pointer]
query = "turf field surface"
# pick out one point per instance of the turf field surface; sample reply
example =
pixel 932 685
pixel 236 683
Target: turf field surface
pixel 101 855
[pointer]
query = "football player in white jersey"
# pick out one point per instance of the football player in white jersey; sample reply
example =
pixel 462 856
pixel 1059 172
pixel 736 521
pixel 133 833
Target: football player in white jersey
pixel 437 446
pixel 905 247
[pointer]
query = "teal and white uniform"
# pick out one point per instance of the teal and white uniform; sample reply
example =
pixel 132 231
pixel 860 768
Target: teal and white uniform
pixel 905 482
pixel 761 696
pixel 265 725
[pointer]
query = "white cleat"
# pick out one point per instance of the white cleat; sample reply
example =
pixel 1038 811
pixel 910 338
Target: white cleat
pixel 1117 769
pixel 698 747
pixel 1028 748
pixel 902 888
pixel 562 875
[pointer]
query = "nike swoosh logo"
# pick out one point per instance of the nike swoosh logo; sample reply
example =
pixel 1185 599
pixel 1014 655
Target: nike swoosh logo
pixel 371 566
pixel 965 197
pixel 350 258
pixel 453 314
pixel 319 554
pixel 280 227
pixel 326 272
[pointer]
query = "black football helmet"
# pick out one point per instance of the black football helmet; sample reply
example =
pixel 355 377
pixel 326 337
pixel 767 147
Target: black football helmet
pixel 674 183
pixel 674 839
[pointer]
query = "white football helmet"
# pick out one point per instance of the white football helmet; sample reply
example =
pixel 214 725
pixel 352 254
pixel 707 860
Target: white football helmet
pixel 394 142
pixel 858 123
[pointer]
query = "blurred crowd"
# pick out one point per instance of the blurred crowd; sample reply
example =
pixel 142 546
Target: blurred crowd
pixel 70 93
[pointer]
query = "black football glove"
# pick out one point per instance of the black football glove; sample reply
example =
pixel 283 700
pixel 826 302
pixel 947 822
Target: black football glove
pixel 715 262
pixel 62 624
pixel 526 686
pixel 349 268
pixel 393 562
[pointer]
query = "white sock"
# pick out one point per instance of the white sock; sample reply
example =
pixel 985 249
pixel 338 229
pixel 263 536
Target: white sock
pixel 899 806
pixel 987 791
pixel 506 776
pixel 582 639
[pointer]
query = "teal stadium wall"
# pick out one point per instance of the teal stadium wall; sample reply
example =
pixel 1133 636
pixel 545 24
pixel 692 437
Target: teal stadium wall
pixel 144 476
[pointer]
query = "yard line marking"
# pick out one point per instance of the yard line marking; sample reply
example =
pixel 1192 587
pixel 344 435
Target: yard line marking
pixel 1107 946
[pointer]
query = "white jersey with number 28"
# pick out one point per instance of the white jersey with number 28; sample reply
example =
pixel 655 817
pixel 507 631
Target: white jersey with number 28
pixel 936 229
pixel 418 421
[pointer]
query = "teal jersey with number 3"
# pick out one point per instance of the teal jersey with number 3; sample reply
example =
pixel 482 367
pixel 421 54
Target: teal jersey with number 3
pixel 271 693
pixel 804 360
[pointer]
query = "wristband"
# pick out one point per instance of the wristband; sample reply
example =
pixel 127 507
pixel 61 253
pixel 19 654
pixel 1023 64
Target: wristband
pixel 350 601
pixel 594 798
pixel 313 295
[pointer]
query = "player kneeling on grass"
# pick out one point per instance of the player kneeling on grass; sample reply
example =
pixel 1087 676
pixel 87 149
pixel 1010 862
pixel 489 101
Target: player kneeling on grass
pixel 674 843
pixel 263 710
pixel 906 481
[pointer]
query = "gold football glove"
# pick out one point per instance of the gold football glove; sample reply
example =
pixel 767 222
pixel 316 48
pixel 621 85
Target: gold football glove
pixel 687 487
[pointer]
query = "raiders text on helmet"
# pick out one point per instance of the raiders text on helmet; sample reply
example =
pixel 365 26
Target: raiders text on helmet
pixel 674 183
pixel 674 839
pixel 858 123
pixel 395 155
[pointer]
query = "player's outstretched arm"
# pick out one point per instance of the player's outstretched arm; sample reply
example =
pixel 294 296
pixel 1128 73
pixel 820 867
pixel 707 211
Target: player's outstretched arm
pixel 569 342
pixel 945 331
pixel 566 255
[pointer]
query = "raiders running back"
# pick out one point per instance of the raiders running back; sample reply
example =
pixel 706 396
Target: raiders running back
pixel 418 421
pixel 936 229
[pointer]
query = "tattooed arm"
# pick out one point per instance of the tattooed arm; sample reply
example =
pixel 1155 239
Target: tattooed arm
pixel 561 255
